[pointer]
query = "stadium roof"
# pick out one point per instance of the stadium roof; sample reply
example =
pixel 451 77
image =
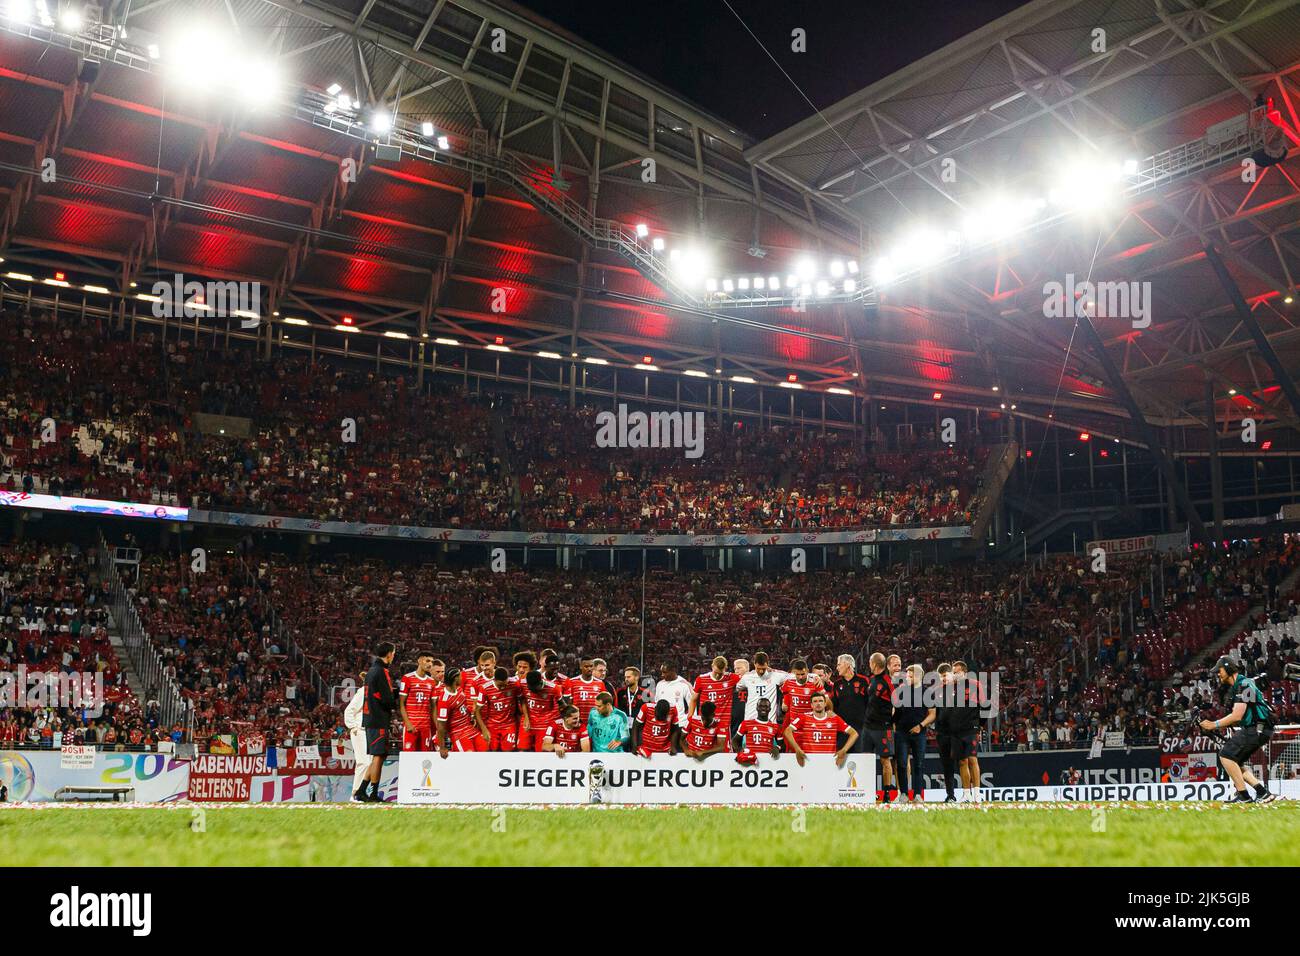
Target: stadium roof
pixel 152 181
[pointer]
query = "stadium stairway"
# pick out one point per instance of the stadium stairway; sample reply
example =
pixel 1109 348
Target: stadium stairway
pixel 1060 511
pixel 501 448
pixel 1215 648
pixel 133 680
pixel 1001 462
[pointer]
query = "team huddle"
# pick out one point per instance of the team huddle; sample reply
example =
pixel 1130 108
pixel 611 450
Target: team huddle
pixel 749 710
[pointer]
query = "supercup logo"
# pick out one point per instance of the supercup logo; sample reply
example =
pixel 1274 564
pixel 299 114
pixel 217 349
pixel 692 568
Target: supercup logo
pixel 425 767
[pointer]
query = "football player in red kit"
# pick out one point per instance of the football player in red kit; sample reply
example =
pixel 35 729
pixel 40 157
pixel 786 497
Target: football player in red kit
pixel 460 723
pixel 655 729
pixel 551 666
pixel 501 710
pixel 584 689
pixel 796 693
pixel 541 702
pixel 758 736
pixel 524 661
pixel 567 735
pixel 705 734
pixel 473 680
pixel 717 687
pixel 416 693
pixel 817 731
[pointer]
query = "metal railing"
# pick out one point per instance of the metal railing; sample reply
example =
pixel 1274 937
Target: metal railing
pixel 173 708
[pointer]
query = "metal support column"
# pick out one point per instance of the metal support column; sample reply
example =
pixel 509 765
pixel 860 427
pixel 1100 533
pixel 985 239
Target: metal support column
pixel 1247 317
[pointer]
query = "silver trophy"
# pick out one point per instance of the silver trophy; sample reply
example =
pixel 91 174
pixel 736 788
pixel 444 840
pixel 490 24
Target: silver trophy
pixel 596 782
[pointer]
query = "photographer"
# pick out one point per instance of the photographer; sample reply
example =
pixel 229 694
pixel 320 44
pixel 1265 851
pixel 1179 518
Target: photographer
pixel 1250 710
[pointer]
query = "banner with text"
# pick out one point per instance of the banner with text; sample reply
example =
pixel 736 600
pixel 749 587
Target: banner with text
pixel 1114 546
pixel 39 775
pixel 629 779
pixel 1113 792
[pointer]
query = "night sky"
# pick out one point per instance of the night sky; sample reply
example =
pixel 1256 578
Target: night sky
pixel 700 49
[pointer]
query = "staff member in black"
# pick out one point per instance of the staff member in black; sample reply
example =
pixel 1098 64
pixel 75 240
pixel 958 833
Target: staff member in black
pixel 878 727
pixel 377 718
pixel 630 698
pixel 911 718
pixel 965 727
pixel 943 729
pixel 849 696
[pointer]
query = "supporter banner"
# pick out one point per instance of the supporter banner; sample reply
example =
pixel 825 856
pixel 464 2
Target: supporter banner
pixel 1114 546
pixel 1186 742
pixel 73 757
pixel 1183 768
pixel 37 775
pixel 95 506
pixel 225 777
pixel 1044 768
pixel 569 539
pixel 1104 793
pixel 629 779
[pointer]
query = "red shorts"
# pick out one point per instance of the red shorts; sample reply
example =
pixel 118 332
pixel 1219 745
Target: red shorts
pixel 470 743
pixel 524 739
pixel 421 738
pixel 506 741
pixel 539 735
pixel 642 752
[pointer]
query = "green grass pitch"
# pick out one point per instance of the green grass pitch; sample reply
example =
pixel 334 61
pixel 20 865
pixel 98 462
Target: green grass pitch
pixel 1172 834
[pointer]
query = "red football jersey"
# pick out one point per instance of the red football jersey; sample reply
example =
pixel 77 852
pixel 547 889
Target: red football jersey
pixel 543 708
pixel 583 693
pixel 419 694
pixel 500 707
pixel 656 734
pixel 572 739
pixel 472 683
pixel 758 735
pixel 816 735
pixel 796 698
pixel 718 690
pixel 699 737
pixel 458 710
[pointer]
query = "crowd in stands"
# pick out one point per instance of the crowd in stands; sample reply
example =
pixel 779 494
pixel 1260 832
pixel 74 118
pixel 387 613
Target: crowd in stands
pixel 264 644
pixel 260 642
pixel 749 479
pixel 213 630
pixel 87 411
pixel 57 657
pixel 1075 653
